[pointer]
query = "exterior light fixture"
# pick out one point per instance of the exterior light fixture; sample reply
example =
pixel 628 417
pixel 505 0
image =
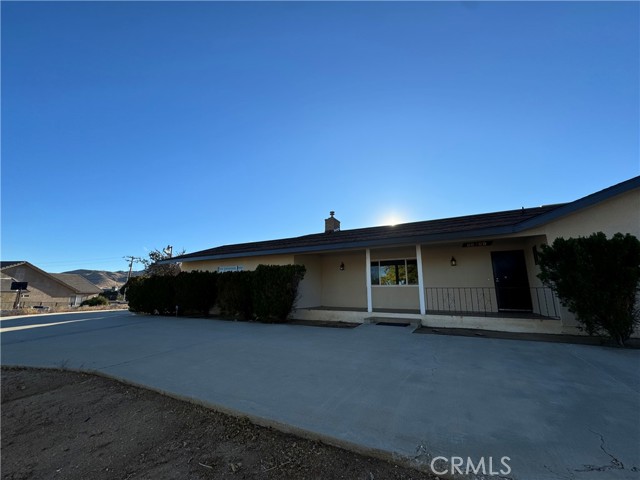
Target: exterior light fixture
pixel 341 265
pixel 453 261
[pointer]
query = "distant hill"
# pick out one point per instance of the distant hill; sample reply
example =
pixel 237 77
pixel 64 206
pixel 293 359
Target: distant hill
pixel 104 279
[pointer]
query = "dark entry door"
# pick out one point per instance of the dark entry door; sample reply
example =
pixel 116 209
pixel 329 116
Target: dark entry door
pixel 511 280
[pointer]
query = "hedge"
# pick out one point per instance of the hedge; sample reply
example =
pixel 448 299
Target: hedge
pixel 267 294
pixel 275 291
pixel 235 294
pixel 195 292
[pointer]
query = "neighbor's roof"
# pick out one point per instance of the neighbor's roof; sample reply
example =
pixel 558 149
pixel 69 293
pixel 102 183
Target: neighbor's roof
pixel 77 282
pixel 448 229
pixel 7 264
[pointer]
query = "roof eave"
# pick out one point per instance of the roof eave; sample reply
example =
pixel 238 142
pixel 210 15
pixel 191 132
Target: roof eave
pixel 407 240
pixel 536 221
pixel 580 204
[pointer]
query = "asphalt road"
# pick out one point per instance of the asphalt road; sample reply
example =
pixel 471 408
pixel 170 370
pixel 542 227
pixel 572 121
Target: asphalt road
pixel 556 411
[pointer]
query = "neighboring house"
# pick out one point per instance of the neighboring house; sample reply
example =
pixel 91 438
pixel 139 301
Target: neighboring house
pixel 44 289
pixel 8 297
pixel 476 271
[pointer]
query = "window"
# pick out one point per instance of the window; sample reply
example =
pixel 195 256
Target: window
pixel 394 272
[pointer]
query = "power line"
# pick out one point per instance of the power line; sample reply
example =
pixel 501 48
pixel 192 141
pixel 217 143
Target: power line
pixel 69 262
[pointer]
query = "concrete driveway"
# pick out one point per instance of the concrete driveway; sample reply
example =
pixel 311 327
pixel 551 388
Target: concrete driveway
pixel 557 411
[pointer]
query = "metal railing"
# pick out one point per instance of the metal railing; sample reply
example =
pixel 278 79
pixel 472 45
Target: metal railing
pixel 484 301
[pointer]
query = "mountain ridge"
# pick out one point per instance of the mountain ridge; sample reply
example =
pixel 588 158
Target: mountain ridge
pixel 105 279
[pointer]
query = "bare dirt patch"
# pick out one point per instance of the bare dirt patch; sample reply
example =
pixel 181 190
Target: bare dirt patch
pixel 67 425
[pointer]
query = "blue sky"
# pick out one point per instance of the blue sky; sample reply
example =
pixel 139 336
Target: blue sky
pixel 127 126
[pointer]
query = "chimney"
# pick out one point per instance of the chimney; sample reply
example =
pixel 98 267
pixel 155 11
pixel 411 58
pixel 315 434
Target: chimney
pixel 331 224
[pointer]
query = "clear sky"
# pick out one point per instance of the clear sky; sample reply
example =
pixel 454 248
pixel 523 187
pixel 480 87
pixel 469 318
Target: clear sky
pixel 127 126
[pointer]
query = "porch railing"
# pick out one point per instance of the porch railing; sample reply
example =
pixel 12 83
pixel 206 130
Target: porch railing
pixel 483 301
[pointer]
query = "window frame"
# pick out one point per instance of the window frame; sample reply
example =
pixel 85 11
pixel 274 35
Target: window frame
pixel 375 272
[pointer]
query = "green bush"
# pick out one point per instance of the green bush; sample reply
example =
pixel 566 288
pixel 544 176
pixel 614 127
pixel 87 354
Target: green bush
pixel 195 292
pixel 161 294
pixel 234 294
pixel 134 293
pixel 151 294
pixel 597 279
pixel 95 301
pixel 275 291
pixel 269 293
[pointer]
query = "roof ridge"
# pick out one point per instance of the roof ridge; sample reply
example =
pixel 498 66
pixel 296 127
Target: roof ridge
pixel 504 222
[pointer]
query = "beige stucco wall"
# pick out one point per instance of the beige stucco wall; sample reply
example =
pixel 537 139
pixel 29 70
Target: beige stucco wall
pixel 247 263
pixel 402 297
pixel 474 267
pixel 407 252
pixel 344 288
pixel 310 289
pixel 618 214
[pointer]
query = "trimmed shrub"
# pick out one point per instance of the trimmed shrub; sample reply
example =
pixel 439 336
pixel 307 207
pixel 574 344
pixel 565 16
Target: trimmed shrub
pixel 269 293
pixel 134 292
pixel 95 301
pixel 195 292
pixel 151 294
pixel 275 291
pixel 160 291
pixel 234 294
pixel 596 279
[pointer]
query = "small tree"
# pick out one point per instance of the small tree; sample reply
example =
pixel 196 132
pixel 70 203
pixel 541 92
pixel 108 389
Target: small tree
pixel 596 279
pixel 153 268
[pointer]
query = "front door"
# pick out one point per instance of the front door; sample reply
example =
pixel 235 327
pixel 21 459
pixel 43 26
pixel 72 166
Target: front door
pixel 511 280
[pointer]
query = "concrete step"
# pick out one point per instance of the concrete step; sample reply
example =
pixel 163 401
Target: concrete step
pixel 393 321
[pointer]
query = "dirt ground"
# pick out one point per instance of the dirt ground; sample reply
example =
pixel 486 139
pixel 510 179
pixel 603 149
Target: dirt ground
pixel 65 425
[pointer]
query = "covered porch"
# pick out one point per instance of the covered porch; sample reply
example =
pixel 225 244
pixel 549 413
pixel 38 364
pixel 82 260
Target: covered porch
pixel 501 321
pixel 489 284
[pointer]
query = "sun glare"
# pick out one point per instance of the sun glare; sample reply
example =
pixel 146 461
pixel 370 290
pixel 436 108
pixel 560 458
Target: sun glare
pixel 392 219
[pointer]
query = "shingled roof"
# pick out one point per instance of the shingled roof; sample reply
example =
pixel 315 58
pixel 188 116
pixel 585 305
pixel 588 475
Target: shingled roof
pixel 433 230
pixel 77 282
pixel 10 263
pixel 448 229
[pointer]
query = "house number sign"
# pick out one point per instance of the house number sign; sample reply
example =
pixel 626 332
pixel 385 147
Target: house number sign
pixel 484 243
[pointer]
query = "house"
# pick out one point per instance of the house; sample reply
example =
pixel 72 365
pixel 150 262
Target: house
pixel 43 289
pixel 476 271
pixel 8 297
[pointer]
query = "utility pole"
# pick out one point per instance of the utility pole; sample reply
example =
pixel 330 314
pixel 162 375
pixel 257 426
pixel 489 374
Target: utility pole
pixel 131 259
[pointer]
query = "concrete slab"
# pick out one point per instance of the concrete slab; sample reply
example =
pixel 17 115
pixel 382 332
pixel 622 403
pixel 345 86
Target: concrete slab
pixel 556 410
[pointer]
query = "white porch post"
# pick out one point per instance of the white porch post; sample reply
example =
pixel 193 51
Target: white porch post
pixel 368 273
pixel 423 308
